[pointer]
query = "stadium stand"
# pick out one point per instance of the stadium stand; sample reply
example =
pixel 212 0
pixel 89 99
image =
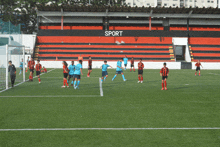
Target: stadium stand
pixel 205 49
pixel 194 29
pixel 71 27
pixel 134 28
pixel 147 32
pixel 101 48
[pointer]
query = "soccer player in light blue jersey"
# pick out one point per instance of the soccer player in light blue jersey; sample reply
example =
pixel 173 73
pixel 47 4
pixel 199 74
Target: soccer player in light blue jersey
pixel 104 70
pixel 21 66
pixel 125 61
pixel 77 73
pixel 119 70
pixel 71 73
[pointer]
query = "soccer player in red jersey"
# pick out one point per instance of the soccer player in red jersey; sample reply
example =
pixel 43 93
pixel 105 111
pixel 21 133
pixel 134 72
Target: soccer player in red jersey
pixel 80 58
pixel 44 70
pixel 38 68
pixel 89 66
pixel 31 65
pixel 198 64
pixel 65 74
pixel 164 73
pixel 140 71
pixel 132 64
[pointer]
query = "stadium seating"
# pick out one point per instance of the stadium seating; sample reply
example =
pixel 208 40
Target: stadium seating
pixel 71 27
pixel 205 49
pixel 193 29
pixel 101 48
pixel 134 28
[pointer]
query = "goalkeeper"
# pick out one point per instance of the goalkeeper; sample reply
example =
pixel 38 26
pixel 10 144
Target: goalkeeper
pixel 12 71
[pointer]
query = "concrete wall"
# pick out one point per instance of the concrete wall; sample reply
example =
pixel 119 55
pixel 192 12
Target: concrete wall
pixel 147 65
pixel 98 64
pixel 207 65
pixel 21 39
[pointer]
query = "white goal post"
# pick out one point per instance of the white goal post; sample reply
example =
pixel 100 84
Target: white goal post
pixel 8 58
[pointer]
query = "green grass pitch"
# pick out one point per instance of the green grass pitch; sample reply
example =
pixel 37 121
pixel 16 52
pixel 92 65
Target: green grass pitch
pixel 189 102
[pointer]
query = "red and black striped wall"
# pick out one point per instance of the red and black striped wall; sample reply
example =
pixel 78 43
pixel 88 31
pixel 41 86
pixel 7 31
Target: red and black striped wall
pixel 104 48
pixel 206 49
pixel 155 45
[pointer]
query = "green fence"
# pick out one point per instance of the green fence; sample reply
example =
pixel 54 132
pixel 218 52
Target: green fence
pixel 9 28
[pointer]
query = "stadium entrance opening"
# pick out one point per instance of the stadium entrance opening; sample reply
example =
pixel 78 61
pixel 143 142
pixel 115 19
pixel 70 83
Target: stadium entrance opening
pixel 179 51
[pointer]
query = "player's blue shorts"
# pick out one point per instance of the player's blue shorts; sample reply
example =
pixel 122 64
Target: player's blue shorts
pixel 21 66
pixel 104 73
pixel 71 76
pixel 77 76
pixel 119 72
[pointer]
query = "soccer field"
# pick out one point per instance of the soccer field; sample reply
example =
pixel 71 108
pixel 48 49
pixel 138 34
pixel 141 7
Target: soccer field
pixel 129 113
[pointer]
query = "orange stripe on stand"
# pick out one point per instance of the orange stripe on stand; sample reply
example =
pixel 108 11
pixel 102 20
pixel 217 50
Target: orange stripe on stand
pixel 98 55
pixel 101 51
pixel 103 46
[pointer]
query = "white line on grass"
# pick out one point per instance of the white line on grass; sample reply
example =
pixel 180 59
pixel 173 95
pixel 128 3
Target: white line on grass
pixel 120 129
pixel 100 86
pixel 25 81
pixel 54 96
pixel 214 74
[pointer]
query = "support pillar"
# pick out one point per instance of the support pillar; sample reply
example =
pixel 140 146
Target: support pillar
pixel 61 22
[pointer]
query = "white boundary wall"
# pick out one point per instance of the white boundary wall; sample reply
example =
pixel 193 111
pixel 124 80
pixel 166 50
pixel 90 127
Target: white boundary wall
pixel 147 65
pixel 98 64
pixel 17 39
pixel 20 39
pixel 208 65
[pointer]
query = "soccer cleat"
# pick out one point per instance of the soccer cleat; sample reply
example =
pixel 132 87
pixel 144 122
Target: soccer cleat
pixel 74 87
pixel 63 86
pixel 125 79
pixel 71 84
pixel 141 81
pixel 68 86
pixel 165 88
pixel 162 89
pixel 39 82
pixel 77 87
pixel 112 79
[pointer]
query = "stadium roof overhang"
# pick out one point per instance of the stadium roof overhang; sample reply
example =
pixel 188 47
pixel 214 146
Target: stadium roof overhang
pixel 127 14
